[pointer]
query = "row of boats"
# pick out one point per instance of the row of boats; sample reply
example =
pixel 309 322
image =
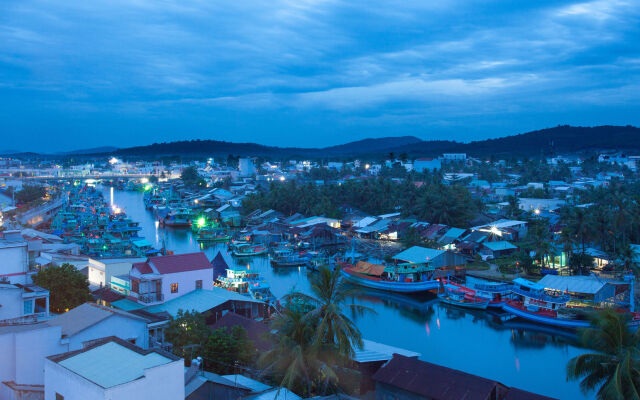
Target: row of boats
pixel 521 298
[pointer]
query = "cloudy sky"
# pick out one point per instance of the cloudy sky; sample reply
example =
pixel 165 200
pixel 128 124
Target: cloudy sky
pixel 80 73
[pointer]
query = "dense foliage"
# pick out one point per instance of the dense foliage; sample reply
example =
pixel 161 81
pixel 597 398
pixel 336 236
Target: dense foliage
pixel 314 339
pixel 223 350
pixel 428 201
pixel 190 177
pixel 30 193
pixel 614 368
pixel 68 287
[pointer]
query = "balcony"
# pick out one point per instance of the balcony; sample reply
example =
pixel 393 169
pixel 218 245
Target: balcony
pixel 151 298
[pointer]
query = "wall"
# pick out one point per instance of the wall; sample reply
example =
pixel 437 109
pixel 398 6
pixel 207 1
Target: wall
pixel 186 282
pixel 14 262
pixel 116 325
pixel 11 303
pixel 58 379
pixel 22 354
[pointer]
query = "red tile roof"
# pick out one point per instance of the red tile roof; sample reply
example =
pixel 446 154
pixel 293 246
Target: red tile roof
pixel 180 263
pixel 143 268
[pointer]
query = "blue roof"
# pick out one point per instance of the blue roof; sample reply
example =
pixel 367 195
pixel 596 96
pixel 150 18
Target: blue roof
pixel 200 300
pixel 126 305
pixel 417 254
pixel 498 246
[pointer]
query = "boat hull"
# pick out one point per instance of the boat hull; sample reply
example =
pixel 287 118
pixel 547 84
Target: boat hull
pixel 293 264
pixel 257 253
pixel 399 287
pixel 478 305
pixel 547 320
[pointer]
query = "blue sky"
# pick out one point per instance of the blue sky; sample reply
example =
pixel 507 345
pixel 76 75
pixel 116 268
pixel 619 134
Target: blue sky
pixel 78 73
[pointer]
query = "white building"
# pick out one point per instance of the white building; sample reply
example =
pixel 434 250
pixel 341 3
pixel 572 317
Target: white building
pixel 14 257
pixel 113 369
pixel 537 205
pixel 23 302
pixel 246 167
pixel 23 347
pixel 449 157
pixel 101 271
pixel 163 278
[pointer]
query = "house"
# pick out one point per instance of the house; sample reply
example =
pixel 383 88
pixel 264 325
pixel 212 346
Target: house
pixel 15 258
pixel 506 229
pixel 371 357
pixel 23 302
pixel 214 304
pixel 112 368
pixel 164 278
pixel 497 249
pixel 536 205
pixel 101 271
pixel 407 378
pixel 591 290
pixel 25 346
pixel 434 257
pixel 204 385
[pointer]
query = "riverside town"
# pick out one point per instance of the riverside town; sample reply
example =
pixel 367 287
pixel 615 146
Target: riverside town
pixel 319 200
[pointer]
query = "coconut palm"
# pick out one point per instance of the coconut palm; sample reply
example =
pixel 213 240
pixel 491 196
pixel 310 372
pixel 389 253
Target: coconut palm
pixel 614 368
pixel 330 301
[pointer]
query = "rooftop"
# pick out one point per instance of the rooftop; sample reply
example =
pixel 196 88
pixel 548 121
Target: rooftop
pixel 85 316
pixel 175 263
pixel 112 362
pixel 200 300
pixel 417 254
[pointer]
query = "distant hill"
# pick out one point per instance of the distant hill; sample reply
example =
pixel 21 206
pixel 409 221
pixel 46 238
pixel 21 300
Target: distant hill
pixel 94 150
pixel 544 142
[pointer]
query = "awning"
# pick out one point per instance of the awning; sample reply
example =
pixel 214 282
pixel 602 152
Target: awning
pixel 364 267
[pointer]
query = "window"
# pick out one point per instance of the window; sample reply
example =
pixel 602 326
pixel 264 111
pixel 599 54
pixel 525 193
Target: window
pixel 59 396
pixel 174 288
pixel 28 307
pixel 199 284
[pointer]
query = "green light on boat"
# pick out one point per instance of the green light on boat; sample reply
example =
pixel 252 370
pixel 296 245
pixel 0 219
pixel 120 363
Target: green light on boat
pixel 148 186
pixel 201 222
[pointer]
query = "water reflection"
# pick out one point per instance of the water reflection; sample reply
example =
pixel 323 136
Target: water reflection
pixel 515 353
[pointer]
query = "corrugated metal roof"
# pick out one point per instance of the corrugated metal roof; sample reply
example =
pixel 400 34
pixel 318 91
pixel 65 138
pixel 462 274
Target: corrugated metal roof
pixel 417 254
pixel 200 300
pixel 85 316
pixel 499 246
pixel 112 364
pixel 574 284
pixel 374 351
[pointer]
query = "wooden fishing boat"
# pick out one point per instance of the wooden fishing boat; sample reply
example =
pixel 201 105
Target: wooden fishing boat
pixel 287 258
pixel 462 298
pixel 212 235
pixel 249 250
pixel 400 278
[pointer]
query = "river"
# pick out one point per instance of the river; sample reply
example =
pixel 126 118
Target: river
pixel 514 353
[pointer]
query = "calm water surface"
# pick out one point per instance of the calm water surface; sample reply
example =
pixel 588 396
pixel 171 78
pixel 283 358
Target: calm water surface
pixel 514 353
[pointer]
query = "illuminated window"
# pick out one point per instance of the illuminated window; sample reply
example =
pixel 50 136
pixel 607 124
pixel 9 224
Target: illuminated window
pixel 199 284
pixel 174 288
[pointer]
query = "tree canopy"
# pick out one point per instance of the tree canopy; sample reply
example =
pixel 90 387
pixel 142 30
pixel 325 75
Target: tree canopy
pixel 68 287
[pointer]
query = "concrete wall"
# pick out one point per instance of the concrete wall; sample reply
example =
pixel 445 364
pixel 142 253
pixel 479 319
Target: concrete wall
pixel 116 325
pixel 58 379
pixel 14 263
pixel 11 303
pixel 186 282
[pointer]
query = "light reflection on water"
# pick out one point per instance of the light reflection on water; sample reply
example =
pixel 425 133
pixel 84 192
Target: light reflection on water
pixel 515 353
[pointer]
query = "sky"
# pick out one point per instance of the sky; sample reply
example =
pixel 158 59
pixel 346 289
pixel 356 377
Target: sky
pixel 79 74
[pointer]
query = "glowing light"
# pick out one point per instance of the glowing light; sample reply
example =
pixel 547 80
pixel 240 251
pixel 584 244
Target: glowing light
pixel 144 180
pixel 367 166
pixel 536 211
pixel 195 201
pixel 282 178
pixel 113 160
pixel 494 230
pixel 117 210
pixel 201 222
pixel 428 329
pixel 148 186
pixel 438 323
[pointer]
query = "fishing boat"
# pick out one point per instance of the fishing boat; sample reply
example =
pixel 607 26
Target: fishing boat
pixel 401 278
pixel 497 293
pixel 287 258
pixel 533 303
pixel 212 235
pixel 179 217
pixel 246 283
pixel 460 297
pixel 249 250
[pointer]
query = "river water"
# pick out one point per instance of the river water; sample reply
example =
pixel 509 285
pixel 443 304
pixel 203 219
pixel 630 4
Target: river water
pixel 515 353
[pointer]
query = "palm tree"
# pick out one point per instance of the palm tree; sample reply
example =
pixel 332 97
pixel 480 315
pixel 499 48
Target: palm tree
pixel 330 295
pixel 614 367
pixel 627 257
